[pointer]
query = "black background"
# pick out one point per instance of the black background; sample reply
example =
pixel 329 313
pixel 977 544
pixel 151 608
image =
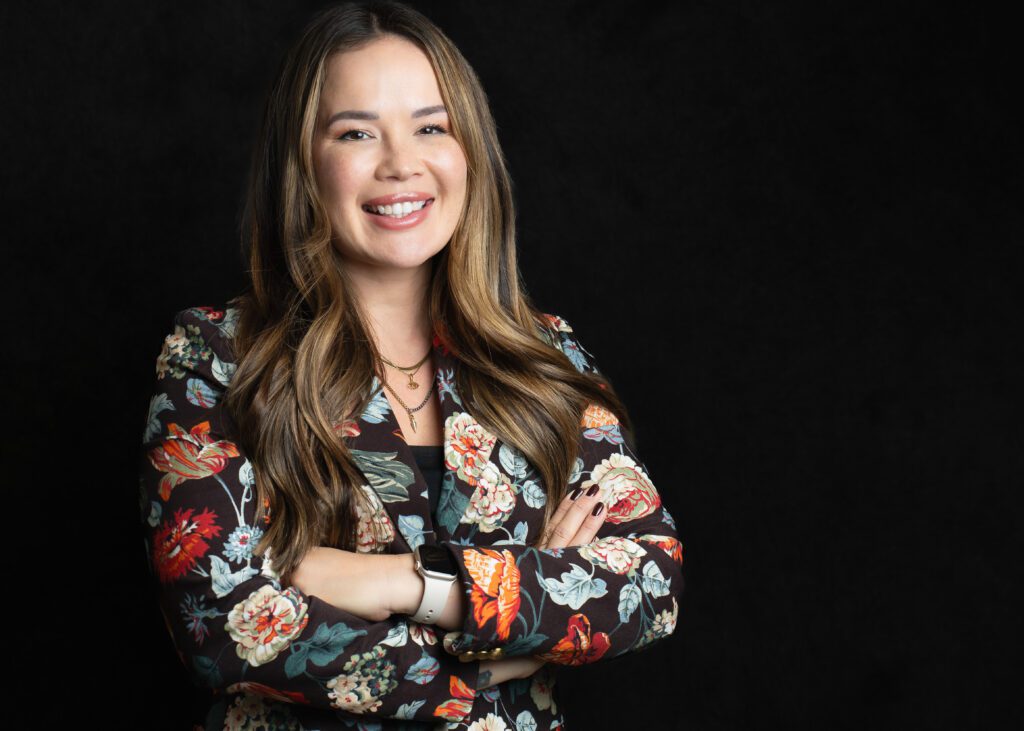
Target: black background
pixel 785 230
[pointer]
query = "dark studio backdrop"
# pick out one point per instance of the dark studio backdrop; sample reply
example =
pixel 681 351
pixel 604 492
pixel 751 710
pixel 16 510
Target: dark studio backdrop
pixel 784 229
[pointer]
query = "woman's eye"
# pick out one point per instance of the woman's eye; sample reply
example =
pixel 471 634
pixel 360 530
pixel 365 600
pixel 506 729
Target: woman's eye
pixel 438 127
pixel 345 136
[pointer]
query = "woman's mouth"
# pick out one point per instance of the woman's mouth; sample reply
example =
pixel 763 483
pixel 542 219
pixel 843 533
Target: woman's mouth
pixel 399 216
pixel 398 210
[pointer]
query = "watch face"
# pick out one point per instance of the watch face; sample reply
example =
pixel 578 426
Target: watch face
pixel 437 559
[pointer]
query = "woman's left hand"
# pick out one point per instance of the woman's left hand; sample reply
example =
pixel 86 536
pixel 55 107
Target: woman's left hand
pixel 355 582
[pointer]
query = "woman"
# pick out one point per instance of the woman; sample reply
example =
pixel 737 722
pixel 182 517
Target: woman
pixel 380 486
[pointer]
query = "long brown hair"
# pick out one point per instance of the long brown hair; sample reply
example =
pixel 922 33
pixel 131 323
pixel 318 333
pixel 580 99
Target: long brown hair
pixel 305 357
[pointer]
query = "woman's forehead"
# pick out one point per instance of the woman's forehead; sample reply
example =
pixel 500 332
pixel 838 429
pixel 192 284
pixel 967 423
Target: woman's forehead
pixel 386 71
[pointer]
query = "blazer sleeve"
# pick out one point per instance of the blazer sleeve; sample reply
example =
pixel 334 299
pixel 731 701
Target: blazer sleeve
pixel 235 627
pixel 580 604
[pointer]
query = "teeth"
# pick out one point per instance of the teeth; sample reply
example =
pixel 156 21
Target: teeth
pixel 398 210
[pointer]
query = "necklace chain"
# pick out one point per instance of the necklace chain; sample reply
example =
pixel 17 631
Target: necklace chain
pixel 409 371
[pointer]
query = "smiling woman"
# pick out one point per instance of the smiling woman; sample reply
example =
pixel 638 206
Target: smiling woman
pixel 392 175
pixel 340 538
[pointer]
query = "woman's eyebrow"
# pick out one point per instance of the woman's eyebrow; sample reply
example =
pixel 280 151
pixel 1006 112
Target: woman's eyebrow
pixel 357 114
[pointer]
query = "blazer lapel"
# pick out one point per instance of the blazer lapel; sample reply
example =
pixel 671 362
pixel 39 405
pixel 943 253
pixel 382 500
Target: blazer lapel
pixel 386 460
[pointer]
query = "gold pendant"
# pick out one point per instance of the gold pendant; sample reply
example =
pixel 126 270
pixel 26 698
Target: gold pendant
pixel 412 383
pixel 412 421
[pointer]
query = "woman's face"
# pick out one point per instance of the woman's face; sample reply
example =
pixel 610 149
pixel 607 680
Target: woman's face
pixel 384 138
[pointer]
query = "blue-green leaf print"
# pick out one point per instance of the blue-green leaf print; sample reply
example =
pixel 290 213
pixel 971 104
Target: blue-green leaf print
pixel 378 409
pixel 575 588
pixel 522 645
pixel 407 711
pixel 629 600
pixel 573 353
pixel 388 475
pixel 425 670
pixel 157 404
pixel 224 579
pixel 451 504
pixel 526 722
pixel 577 471
pixel 513 461
pixel 222 370
pixel 207 670
pixel 411 528
pixel 200 394
pixel 653 580
pixel 323 648
pixel 534 494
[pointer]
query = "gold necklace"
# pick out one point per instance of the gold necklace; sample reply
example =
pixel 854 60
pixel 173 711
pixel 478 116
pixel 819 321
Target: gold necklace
pixel 410 371
pixel 410 412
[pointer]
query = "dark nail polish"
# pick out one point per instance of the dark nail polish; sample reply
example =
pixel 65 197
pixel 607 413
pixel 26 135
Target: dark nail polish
pixel 593 490
pixel 597 509
pixel 575 493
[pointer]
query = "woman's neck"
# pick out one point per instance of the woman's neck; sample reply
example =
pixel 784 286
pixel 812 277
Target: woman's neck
pixel 395 304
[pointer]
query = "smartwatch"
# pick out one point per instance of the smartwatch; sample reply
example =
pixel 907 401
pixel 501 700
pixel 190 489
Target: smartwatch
pixel 437 567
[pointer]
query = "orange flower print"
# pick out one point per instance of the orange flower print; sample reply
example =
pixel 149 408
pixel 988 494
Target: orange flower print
pixel 495 587
pixel 672 546
pixel 180 542
pixel 597 416
pixel 264 624
pixel 467 446
pixel 625 489
pixel 284 696
pixel 460 705
pixel 578 647
pixel 189 456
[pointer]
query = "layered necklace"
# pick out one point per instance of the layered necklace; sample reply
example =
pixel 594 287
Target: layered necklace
pixel 409 371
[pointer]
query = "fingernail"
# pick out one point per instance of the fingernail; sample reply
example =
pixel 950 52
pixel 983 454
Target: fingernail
pixel 575 493
pixel 597 509
pixel 593 490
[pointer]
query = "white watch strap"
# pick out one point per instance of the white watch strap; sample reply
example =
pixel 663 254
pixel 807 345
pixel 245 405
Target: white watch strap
pixel 435 596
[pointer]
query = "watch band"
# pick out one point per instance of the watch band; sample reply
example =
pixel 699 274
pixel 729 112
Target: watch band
pixel 435 593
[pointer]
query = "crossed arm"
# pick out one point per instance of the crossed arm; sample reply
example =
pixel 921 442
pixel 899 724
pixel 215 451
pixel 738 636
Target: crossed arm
pixel 375 586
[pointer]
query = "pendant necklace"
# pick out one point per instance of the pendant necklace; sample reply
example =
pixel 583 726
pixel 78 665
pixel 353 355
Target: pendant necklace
pixel 410 371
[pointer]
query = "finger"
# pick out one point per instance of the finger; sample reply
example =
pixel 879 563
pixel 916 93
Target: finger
pixel 559 514
pixel 563 533
pixel 591 524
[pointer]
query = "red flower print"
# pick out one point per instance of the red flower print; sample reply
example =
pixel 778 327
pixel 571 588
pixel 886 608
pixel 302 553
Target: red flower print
pixel 211 314
pixel 578 647
pixel 347 428
pixel 495 587
pixel 189 455
pixel 179 543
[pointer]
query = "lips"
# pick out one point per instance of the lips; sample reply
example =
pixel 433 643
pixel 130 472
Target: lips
pixel 389 200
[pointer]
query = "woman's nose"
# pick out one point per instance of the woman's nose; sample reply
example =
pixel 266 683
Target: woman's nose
pixel 399 160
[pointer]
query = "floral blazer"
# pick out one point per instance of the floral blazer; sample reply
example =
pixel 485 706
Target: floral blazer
pixel 276 658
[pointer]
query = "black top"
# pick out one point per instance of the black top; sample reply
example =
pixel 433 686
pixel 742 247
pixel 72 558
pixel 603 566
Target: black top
pixel 430 460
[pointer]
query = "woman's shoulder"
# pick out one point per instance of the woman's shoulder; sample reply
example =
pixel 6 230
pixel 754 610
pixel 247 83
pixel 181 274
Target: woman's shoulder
pixel 200 344
pixel 215 324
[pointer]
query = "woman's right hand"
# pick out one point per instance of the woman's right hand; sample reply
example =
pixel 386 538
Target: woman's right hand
pixel 572 524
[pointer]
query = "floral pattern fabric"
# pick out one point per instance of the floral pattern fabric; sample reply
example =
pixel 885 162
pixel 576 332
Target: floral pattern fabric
pixel 278 659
